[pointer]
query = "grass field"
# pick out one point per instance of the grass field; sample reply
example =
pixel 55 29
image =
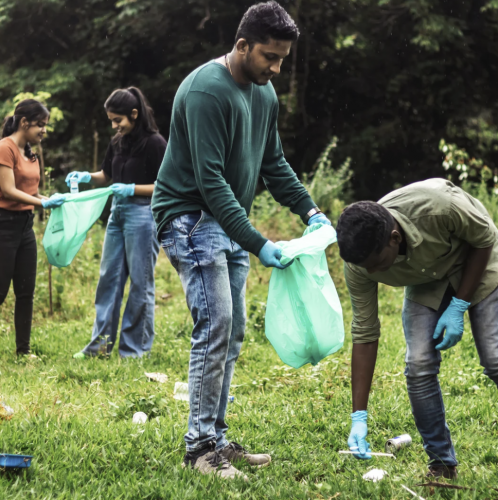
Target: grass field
pixel 75 417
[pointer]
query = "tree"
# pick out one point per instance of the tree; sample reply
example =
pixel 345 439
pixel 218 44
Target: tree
pixel 389 78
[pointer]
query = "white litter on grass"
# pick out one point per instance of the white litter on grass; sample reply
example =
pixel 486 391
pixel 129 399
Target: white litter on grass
pixel 162 378
pixel 181 391
pixel 374 475
pixel 139 418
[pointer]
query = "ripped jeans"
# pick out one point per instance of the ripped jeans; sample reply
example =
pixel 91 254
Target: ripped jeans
pixel 213 270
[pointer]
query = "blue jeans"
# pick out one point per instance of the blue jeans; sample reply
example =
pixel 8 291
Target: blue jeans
pixel 213 271
pixel 422 367
pixel 130 249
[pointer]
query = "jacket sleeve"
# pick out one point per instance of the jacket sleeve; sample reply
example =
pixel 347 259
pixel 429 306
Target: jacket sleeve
pixel 364 301
pixel 469 221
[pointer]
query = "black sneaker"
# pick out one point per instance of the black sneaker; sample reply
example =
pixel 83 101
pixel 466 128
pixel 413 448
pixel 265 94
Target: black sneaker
pixel 446 471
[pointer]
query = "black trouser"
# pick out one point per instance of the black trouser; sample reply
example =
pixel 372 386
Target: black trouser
pixel 18 264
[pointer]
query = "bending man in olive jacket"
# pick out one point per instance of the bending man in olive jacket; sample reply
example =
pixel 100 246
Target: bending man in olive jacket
pixel 439 242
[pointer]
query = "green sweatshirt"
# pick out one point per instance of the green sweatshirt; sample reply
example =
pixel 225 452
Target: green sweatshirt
pixel 223 137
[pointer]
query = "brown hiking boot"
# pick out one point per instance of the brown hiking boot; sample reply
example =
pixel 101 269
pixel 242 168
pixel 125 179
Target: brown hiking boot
pixel 446 471
pixel 212 462
pixel 233 452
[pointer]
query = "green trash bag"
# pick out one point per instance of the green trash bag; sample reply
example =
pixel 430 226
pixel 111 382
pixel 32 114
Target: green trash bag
pixel 68 224
pixel 303 312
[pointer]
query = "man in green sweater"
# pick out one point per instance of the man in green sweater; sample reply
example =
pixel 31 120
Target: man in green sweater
pixel 223 137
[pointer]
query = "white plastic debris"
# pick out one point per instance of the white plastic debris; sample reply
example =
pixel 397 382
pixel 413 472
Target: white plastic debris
pixel 181 391
pixel 139 418
pixel 6 411
pixel 162 378
pixel 374 475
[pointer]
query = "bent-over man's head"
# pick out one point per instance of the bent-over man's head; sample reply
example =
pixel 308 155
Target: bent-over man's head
pixel 263 39
pixel 369 236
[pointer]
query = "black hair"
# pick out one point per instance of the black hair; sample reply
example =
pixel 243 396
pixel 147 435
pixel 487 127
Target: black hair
pixel 123 102
pixel 266 20
pixel 364 228
pixel 33 111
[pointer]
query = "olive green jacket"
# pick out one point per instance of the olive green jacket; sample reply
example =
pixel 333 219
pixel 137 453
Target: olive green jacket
pixel 441 222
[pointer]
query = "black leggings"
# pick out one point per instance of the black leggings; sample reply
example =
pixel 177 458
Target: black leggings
pixel 18 264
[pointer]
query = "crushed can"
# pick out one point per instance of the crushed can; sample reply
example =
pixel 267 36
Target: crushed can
pixel 395 444
pixel 74 187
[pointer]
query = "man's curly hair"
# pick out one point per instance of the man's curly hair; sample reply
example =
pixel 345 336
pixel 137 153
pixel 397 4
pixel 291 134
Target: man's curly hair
pixel 364 228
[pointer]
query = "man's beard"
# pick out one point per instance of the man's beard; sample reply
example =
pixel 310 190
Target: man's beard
pixel 251 75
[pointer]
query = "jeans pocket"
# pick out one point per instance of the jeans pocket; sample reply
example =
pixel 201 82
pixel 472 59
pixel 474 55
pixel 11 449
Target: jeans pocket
pixel 167 239
pixel 190 222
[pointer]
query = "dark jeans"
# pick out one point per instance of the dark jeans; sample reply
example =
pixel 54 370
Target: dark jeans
pixel 18 264
pixel 422 367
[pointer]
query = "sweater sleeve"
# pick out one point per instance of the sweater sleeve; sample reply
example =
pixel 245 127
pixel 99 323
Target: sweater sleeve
pixel 208 140
pixel 280 179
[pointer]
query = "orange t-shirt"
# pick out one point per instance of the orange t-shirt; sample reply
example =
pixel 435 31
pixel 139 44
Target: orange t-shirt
pixel 26 174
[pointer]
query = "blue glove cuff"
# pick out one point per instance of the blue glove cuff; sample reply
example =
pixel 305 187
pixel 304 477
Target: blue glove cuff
pixel 359 416
pixel 459 304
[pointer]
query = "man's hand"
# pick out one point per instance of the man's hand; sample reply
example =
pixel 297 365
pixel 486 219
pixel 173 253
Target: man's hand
pixel 357 438
pixel 319 219
pixel 270 256
pixel 452 321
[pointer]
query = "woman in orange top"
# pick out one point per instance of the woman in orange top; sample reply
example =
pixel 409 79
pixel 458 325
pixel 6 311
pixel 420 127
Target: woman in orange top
pixel 19 179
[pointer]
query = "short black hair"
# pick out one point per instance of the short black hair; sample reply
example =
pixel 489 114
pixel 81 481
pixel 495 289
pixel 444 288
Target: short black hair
pixel 266 20
pixel 364 228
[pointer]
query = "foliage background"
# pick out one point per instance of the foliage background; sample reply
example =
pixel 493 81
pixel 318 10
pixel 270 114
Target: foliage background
pixel 389 78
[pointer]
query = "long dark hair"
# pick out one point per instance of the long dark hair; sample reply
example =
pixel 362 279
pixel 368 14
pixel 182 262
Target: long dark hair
pixel 33 111
pixel 123 102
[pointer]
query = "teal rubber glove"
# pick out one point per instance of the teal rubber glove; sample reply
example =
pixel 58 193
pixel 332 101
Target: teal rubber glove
pixel 452 321
pixel 319 219
pixel 56 200
pixel 79 177
pixel 357 437
pixel 123 190
pixel 270 256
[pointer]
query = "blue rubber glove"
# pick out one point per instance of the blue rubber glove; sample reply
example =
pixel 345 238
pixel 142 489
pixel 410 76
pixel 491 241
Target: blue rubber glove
pixel 123 190
pixel 319 219
pixel 270 256
pixel 357 436
pixel 79 177
pixel 56 200
pixel 452 321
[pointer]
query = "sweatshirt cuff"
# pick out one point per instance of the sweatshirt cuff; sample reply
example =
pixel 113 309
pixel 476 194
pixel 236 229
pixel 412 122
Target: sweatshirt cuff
pixel 256 243
pixel 303 207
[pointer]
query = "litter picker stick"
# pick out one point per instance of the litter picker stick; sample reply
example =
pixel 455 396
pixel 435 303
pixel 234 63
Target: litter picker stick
pixel 347 452
pixel 412 492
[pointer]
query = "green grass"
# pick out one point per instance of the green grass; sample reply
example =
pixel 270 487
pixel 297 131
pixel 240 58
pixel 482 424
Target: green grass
pixel 75 417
